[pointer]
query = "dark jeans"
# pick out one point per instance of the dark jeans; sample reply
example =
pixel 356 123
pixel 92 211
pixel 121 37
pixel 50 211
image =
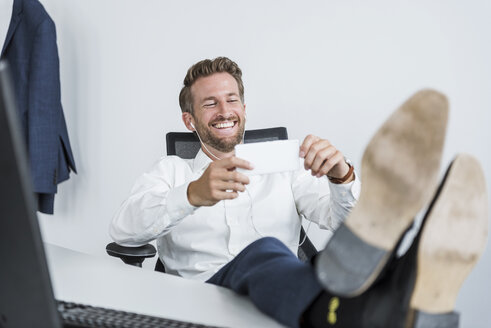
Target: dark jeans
pixel 276 281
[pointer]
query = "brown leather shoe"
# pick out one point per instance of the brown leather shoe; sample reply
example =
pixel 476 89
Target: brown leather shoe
pixel 400 171
pixel 419 289
pixel 452 241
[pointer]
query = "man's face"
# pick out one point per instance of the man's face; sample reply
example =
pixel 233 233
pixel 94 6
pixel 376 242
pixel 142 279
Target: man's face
pixel 218 111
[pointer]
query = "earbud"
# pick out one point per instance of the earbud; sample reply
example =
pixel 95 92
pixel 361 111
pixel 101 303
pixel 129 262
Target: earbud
pixel 192 125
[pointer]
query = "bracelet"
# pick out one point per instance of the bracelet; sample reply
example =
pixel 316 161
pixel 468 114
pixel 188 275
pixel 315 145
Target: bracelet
pixel 345 178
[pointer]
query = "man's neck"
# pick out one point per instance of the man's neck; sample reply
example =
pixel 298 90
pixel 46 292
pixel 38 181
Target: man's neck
pixel 215 154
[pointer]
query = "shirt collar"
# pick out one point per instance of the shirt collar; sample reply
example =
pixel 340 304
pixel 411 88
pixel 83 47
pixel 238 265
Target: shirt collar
pixel 201 161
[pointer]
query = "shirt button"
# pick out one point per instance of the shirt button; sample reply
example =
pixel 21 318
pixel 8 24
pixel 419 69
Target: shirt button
pixel 344 193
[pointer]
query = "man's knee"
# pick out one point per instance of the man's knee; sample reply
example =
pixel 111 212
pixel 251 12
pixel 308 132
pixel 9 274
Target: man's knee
pixel 268 241
pixel 268 244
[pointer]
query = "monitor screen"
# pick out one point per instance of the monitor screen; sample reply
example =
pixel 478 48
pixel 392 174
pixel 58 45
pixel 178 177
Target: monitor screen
pixel 26 296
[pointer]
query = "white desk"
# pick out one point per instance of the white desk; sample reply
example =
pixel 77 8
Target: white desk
pixel 102 282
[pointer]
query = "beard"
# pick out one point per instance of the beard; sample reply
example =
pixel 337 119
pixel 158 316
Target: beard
pixel 224 145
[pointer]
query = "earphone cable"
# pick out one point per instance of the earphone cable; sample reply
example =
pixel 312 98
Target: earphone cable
pixel 251 210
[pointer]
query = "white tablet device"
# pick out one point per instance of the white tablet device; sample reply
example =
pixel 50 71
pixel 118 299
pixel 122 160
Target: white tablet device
pixel 269 156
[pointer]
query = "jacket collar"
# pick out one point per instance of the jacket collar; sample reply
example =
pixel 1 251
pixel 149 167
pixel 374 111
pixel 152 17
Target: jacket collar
pixel 16 18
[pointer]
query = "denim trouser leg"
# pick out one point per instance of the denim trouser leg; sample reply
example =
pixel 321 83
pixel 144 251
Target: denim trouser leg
pixel 275 280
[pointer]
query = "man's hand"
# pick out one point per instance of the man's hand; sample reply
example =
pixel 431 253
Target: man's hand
pixel 322 158
pixel 219 181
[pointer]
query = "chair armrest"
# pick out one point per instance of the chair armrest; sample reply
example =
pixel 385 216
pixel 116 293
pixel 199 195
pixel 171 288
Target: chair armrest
pixel 307 250
pixel 131 255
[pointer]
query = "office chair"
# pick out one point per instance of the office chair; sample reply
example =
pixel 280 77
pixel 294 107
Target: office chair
pixel 186 145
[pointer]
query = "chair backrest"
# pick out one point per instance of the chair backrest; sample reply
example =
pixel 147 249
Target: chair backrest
pixel 186 145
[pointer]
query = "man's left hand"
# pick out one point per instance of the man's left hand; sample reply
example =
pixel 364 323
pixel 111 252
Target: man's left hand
pixel 322 158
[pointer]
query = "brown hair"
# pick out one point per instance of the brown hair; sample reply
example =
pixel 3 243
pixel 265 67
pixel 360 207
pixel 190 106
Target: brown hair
pixel 205 68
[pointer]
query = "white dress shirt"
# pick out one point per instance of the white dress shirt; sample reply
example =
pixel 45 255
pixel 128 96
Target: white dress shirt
pixel 196 242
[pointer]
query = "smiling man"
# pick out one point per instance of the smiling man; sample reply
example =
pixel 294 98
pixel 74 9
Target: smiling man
pixel 213 223
pixel 220 114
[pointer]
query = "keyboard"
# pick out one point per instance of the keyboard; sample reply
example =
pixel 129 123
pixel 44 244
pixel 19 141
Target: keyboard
pixel 76 315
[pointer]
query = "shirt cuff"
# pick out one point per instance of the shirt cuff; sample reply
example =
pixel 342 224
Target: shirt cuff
pixel 178 205
pixel 346 191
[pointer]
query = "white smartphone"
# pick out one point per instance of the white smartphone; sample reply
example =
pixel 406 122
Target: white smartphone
pixel 269 156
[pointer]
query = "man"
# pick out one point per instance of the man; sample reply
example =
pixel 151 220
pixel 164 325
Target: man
pixel 215 224
pixel 203 212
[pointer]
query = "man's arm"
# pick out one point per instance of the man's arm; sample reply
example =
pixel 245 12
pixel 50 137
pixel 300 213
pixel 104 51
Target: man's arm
pixel 322 158
pixel 326 203
pixel 157 202
pixel 163 197
pixel 220 181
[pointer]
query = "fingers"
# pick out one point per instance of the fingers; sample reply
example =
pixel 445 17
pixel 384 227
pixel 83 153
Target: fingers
pixel 218 195
pixel 235 177
pixel 223 181
pixel 223 174
pixel 234 162
pixel 319 149
pixel 307 142
pixel 225 195
pixel 220 181
pixel 223 190
pixel 230 186
pixel 330 163
pixel 230 182
pixel 320 156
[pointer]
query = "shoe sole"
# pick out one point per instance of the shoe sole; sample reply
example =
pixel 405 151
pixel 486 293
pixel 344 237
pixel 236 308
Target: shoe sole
pixel 453 238
pixel 400 169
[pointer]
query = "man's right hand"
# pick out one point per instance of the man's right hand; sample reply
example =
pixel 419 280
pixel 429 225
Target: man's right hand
pixel 219 181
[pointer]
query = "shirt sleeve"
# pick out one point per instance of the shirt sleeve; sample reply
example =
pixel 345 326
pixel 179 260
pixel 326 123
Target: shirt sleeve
pixel 158 202
pixel 323 202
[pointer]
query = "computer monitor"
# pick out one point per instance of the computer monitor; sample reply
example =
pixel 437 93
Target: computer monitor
pixel 26 295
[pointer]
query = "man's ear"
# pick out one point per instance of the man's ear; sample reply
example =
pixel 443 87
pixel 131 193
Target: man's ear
pixel 188 119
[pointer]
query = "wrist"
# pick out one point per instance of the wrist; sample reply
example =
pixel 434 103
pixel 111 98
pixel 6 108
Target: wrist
pixel 191 195
pixel 347 178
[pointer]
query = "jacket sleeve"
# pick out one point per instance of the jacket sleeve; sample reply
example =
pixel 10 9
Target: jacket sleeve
pixel 44 109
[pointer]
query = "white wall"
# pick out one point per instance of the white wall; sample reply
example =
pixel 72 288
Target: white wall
pixel 336 69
